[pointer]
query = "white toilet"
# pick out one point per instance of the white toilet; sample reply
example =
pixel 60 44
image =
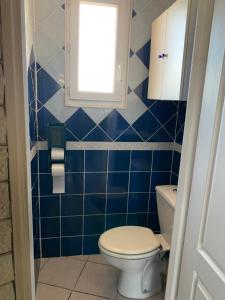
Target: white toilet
pixel 137 251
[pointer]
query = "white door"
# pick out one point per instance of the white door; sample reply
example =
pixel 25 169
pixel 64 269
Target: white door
pixel 203 262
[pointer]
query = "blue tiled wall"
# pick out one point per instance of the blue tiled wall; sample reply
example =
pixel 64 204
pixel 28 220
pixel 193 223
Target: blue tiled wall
pixel 104 189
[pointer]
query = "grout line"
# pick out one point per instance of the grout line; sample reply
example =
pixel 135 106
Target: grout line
pixel 76 281
pixel 128 188
pixel 106 197
pixel 150 188
pixel 83 204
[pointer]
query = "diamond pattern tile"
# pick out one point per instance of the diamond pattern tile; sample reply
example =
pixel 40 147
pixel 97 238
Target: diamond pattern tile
pixel 97 114
pixel 130 135
pixel 137 72
pixel 114 124
pixel 163 110
pixel 56 67
pixel 97 135
pixel 44 119
pixel 142 91
pixel 144 54
pixel 80 124
pixel 46 86
pixel 56 106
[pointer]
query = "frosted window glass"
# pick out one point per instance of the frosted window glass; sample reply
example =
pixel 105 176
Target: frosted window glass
pixel 97 48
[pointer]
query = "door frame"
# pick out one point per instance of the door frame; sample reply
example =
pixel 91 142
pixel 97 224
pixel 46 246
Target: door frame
pixel 18 146
pixel 196 86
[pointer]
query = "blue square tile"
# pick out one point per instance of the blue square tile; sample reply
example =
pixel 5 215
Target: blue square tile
pixel 163 110
pixel 153 203
pixel 116 203
pixel 36 231
pixel 34 164
pixel 162 160
pixel 37 248
pixel 144 54
pixel 94 204
pixel 45 184
pixel 44 166
pixel 50 227
pixel 35 189
pixel 97 135
pixel 118 182
pixel 114 124
pixel 46 86
pixel 74 183
pixel 50 206
pixel 94 224
pixel 139 219
pixel 176 162
pixel 35 207
pixel 153 222
pixel 91 245
pixel 161 136
pixel 146 125
pixel 80 124
pixel 71 226
pixel 96 161
pixel 119 160
pixel 138 202
pixel 71 205
pixel 174 179
pixel 115 220
pixel 45 118
pixel 95 183
pixel 142 92
pixel 159 178
pixel 71 246
pixel 74 161
pixel 141 160
pixel 139 182
pixel 50 247
pixel 129 135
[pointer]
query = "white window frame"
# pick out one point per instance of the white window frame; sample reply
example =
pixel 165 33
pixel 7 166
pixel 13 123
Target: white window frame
pixel 73 97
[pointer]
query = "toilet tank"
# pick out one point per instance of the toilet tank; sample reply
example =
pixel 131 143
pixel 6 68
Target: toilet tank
pixel 166 201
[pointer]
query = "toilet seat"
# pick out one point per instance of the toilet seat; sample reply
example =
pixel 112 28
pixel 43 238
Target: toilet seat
pixel 130 242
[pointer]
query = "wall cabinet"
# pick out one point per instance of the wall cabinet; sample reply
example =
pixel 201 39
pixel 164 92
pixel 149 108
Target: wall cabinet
pixel 171 51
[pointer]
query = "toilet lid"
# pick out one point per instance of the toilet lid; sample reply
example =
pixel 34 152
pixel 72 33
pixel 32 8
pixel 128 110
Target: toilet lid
pixel 129 240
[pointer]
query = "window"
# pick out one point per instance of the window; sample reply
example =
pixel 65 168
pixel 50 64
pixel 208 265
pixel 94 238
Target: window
pixel 97 47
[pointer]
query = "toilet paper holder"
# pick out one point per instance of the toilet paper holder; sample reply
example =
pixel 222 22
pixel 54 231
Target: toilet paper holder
pixel 56 140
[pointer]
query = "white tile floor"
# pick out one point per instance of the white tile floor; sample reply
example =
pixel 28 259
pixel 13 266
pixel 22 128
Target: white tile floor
pixel 78 278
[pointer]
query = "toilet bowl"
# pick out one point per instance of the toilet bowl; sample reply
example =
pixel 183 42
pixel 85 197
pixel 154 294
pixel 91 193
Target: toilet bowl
pixel 136 251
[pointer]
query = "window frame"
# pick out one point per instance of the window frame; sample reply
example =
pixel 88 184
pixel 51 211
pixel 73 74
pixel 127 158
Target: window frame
pixel 73 97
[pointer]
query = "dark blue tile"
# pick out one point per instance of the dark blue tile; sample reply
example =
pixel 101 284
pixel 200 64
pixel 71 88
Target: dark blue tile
pixel 161 136
pixel 94 204
pixel 45 118
pixel 35 207
pixel 163 110
pixel 71 246
pixel 94 224
pixel 153 203
pixel 141 160
pixel 95 183
pixel 80 124
pixel 97 135
pixel 74 161
pixel 71 205
pixel 91 245
pixel 170 127
pixel 153 222
pixel 119 160
pixel 118 182
pixel 174 179
pixel 50 206
pixel 139 219
pixel 142 92
pixel 74 183
pixel 70 136
pixel 34 165
pixel 116 203
pixel 45 184
pixel 71 226
pixel 129 136
pixel 46 86
pixel 162 160
pixel 159 178
pixel 138 202
pixel 139 182
pixel 179 137
pixel 115 220
pixel 50 247
pixel 36 231
pixel 144 54
pixel 35 189
pixel 96 161
pixel 50 227
pixel 176 162
pixel 44 166
pixel 114 124
pixel 146 125
pixel 37 248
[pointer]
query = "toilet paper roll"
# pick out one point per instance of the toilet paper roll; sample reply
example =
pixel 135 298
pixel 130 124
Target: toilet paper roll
pixel 58 178
pixel 58 169
pixel 57 154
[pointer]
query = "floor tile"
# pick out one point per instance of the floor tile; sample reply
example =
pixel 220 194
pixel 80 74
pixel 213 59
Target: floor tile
pixel 62 272
pixel 80 296
pixel 157 297
pixel 43 262
pixel 46 292
pixel 98 259
pixel 80 257
pixel 99 280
